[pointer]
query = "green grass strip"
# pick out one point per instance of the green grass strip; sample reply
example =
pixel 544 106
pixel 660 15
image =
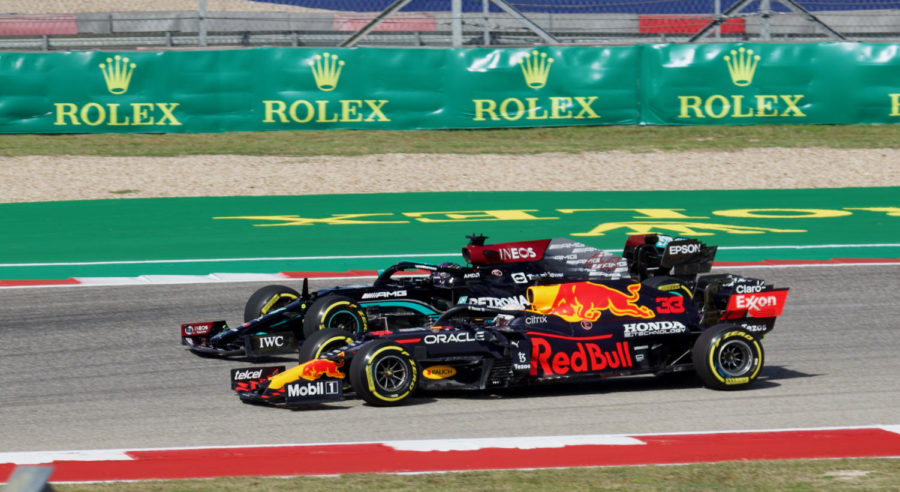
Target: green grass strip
pixel 507 141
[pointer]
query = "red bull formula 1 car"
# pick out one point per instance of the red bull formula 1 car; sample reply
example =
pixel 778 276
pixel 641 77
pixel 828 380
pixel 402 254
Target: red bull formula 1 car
pixel 710 324
pixel 277 319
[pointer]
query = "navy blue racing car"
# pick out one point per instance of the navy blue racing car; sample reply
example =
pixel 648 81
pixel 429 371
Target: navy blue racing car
pixel 642 323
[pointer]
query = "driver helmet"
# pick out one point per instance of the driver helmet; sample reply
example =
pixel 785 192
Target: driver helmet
pixel 443 278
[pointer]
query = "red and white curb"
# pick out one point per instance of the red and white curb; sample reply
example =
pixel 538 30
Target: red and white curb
pixel 368 274
pixel 429 456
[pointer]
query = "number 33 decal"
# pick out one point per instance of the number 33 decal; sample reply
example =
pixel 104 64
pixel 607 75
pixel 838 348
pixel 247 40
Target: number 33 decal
pixel 667 305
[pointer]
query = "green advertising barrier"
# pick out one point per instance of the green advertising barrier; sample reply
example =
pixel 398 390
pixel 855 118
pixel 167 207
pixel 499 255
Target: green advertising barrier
pixel 379 88
pixel 290 89
pixel 834 83
pixel 343 232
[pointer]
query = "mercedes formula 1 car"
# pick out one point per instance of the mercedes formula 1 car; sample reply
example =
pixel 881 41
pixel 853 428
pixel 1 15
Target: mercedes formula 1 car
pixel 711 324
pixel 278 318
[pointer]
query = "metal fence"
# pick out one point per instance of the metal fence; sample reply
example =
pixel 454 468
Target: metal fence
pixel 170 24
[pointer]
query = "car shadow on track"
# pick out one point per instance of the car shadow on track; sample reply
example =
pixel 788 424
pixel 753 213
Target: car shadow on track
pixel 412 402
pixel 684 380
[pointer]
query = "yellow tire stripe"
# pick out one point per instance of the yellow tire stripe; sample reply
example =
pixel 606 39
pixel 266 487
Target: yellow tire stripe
pixel 274 300
pixel 371 380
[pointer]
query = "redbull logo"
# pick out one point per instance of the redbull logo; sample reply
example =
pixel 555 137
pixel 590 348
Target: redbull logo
pixel 580 301
pixel 587 357
pixel 316 368
pixel 310 371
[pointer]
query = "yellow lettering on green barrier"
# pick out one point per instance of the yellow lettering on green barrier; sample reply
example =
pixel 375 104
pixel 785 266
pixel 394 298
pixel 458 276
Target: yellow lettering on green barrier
pixel 376 112
pixel 273 108
pixel 485 106
pixel 66 110
pixel 895 104
pixel 475 216
pixel 559 108
pixel 324 111
pixel 115 114
pixel 587 110
pixel 350 110
pixel 765 105
pixel 682 228
pixel 167 114
pixel 690 103
pixel 791 101
pixel 720 106
pixel 534 108
pixel 649 213
pixel 296 220
pixel 310 111
pixel 781 213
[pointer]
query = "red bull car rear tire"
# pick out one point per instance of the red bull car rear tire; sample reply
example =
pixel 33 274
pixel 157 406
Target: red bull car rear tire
pixel 383 374
pixel 334 312
pixel 726 357
pixel 268 299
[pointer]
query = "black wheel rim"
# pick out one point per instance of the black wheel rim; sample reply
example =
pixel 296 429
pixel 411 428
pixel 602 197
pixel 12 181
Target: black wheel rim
pixel 735 358
pixel 391 373
pixel 345 320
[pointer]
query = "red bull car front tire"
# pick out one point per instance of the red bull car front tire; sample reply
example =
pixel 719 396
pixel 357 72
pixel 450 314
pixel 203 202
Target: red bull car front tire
pixel 383 374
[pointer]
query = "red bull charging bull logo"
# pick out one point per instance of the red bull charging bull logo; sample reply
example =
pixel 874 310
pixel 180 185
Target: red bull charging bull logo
pixel 317 368
pixel 580 301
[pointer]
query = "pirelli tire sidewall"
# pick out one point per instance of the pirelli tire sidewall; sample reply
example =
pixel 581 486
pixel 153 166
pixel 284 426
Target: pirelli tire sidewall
pixel 268 299
pixel 367 374
pixel 727 357
pixel 333 311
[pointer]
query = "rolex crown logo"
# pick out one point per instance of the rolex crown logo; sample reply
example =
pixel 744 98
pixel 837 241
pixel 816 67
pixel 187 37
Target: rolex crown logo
pixel 741 65
pixel 326 69
pixel 536 68
pixel 117 73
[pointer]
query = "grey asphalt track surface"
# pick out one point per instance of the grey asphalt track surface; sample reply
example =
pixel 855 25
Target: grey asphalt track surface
pixel 102 368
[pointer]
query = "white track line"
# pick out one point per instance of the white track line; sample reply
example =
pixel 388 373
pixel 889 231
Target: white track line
pixel 405 255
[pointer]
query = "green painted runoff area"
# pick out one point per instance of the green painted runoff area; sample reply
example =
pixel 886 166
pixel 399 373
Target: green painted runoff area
pixel 198 236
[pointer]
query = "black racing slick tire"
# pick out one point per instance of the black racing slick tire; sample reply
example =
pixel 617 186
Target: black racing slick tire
pixel 726 357
pixel 268 299
pixel 323 341
pixel 334 312
pixel 383 374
